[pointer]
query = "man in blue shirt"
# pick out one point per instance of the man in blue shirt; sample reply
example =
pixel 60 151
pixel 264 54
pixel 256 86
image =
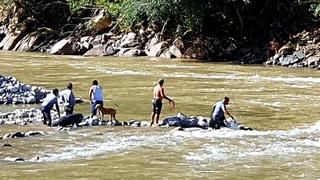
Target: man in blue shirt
pixel 47 106
pixel 218 111
pixel 95 97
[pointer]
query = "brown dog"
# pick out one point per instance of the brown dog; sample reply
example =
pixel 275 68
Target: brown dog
pixel 104 110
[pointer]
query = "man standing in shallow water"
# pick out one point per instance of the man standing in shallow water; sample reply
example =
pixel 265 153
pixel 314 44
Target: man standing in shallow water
pixel 68 99
pixel 217 119
pixel 95 97
pixel 47 105
pixel 158 96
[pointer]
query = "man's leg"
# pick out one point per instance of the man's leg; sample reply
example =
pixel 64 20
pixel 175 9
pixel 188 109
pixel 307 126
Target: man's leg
pixel 157 118
pixel 44 117
pixel 68 110
pixel 154 111
pixel 152 118
pixel 158 110
pixel 93 109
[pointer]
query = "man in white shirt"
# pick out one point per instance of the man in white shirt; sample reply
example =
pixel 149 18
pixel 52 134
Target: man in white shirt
pixel 68 99
pixel 217 119
pixel 47 105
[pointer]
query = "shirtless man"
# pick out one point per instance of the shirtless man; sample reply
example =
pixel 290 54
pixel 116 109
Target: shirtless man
pixel 158 96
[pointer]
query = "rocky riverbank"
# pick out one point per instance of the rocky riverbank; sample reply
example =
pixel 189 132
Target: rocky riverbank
pixel 52 28
pixel 303 50
pixel 12 91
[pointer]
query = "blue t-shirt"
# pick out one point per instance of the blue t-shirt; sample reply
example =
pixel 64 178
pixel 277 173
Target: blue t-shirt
pixel 97 93
pixel 219 110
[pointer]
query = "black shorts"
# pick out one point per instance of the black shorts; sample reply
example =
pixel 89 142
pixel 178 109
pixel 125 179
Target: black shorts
pixel 217 122
pixel 157 106
pixel 46 116
pixel 68 110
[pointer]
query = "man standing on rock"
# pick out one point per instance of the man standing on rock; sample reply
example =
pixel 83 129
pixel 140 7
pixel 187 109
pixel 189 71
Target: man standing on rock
pixel 95 97
pixel 218 111
pixel 68 99
pixel 158 96
pixel 47 105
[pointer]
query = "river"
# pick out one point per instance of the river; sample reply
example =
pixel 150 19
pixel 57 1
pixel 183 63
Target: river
pixel 280 104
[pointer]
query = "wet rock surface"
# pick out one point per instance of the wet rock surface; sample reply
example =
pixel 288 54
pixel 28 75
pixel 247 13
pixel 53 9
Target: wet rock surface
pixel 12 91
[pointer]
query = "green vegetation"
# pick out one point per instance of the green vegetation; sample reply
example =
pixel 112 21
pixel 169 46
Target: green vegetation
pixel 226 24
pixel 209 17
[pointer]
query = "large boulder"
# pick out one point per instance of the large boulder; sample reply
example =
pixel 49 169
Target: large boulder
pixel 156 49
pixel 26 43
pixel 11 39
pixel 64 46
pixel 96 51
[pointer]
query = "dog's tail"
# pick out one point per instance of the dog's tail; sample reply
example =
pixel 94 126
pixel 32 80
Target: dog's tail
pixel 117 106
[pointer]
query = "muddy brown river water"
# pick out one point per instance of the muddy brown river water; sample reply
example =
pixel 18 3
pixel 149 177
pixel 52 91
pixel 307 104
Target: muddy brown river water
pixel 281 104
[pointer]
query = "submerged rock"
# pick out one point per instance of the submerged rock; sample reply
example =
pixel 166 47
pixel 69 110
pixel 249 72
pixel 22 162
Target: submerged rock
pixel 14 159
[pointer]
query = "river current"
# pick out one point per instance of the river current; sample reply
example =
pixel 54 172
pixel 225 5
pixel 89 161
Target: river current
pixel 280 104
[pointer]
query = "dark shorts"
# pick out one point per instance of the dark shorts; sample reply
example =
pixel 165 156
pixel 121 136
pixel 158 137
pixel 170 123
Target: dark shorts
pixel 157 106
pixel 68 110
pixel 46 116
pixel 217 122
pixel 94 108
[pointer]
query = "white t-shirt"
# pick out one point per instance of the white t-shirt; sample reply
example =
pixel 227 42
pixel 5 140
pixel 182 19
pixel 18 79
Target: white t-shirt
pixel 67 97
pixel 219 109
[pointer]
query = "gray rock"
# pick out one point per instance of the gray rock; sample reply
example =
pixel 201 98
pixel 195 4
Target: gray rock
pixel 166 54
pixel 175 51
pixel 33 133
pixel 95 51
pixel 31 99
pixel 14 159
pixel 156 49
pixel 287 60
pixel 300 55
pixel 110 51
pixel 64 46
pixel 312 60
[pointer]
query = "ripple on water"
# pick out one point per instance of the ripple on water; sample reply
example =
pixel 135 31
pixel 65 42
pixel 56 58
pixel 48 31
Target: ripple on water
pixel 217 145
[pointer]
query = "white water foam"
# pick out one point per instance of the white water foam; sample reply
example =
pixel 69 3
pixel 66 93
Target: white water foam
pixel 222 146
pixel 115 144
pixel 255 144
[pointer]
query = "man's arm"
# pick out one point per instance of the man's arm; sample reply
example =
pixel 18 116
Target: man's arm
pixel 226 111
pixel 90 94
pixel 166 97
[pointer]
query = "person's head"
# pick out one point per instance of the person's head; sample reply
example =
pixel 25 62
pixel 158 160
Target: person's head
pixel 225 100
pixel 94 82
pixel 160 82
pixel 69 86
pixel 55 92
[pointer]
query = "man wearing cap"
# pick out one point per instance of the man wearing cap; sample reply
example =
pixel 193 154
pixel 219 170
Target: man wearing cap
pixel 158 96
pixel 218 111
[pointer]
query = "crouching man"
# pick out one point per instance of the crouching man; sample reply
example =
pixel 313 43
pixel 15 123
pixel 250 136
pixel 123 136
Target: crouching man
pixel 218 111
pixel 47 105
